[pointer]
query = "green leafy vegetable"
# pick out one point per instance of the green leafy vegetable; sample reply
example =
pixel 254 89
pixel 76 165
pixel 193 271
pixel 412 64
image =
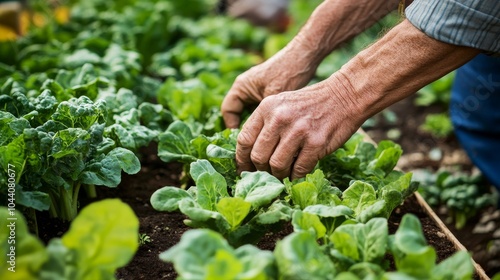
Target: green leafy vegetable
pixel 101 239
pixel 242 218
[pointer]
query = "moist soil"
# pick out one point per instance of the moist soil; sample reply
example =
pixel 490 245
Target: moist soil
pixel 165 229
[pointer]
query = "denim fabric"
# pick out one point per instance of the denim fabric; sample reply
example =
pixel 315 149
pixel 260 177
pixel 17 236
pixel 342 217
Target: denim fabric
pixel 475 113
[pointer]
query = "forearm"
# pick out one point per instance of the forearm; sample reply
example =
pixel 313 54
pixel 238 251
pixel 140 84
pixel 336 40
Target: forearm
pixel 396 66
pixel 336 21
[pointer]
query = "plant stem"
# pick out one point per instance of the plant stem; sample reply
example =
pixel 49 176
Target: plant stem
pixel 30 215
pixel 184 179
pixel 90 190
pixel 69 202
pixel 53 206
pixel 74 199
pixel 66 211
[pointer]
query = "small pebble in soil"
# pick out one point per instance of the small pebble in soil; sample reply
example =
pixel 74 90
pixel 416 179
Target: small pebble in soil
pixel 484 228
pixel 435 154
pixel 487 216
pixel 440 234
pixel 394 134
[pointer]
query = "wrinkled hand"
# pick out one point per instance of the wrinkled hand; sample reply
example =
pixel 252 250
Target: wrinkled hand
pixel 288 133
pixel 289 69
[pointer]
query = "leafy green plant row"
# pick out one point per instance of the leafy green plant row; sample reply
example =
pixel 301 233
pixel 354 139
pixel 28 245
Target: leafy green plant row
pixel 258 202
pixel 463 195
pixel 352 251
pixel 57 147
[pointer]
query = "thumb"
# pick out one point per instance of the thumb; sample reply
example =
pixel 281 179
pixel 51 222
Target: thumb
pixel 231 108
pixel 231 120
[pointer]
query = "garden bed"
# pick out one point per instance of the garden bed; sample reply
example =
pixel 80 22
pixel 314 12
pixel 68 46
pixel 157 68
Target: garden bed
pixel 165 229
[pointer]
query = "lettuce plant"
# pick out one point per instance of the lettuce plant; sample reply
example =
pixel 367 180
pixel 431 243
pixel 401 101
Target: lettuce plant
pixel 243 216
pixel 186 144
pixel 102 238
pixel 353 251
pixel 360 201
pixel 204 254
pixel 464 195
pixel 360 160
pixel 415 258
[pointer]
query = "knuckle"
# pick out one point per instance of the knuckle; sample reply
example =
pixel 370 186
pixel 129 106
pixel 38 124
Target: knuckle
pixel 298 129
pixel 315 144
pixel 244 139
pixel 277 166
pixel 301 169
pixel 302 128
pixel 258 159
pixel 268 101
pixel 273 89
pixel 241 78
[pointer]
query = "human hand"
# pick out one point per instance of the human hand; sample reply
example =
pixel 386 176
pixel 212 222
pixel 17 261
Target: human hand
pixel 289 132
pixel 289 69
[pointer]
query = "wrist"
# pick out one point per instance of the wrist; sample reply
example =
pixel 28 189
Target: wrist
pixel 398 65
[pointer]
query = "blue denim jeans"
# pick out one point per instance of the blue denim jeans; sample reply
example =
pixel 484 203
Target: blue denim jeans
pixel 475 113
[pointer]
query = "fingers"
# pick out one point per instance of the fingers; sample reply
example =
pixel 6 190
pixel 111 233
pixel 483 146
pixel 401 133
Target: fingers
pixel 263 148
pixel 231 108
pixel 246 90
pixel 235 100
pixel 314 149
pixel 283 158
pixel 272 138
pixel 245 142
pixel 303 165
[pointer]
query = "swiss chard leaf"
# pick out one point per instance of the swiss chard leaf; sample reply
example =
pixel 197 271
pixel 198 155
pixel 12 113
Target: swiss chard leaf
pixel 326 211
pixel 303 221
pixel 411 253
pixel 106 169
pixel 358 196
pixel 203 254
pixel 304 194
pixel 174 144
pixel 199 167
pixel 102 245
pixel 458 266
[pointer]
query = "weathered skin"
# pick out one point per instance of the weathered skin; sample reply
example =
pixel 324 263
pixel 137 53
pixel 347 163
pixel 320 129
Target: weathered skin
pixel 292 129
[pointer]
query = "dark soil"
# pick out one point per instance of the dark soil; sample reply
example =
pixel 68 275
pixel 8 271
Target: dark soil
pixel 434 235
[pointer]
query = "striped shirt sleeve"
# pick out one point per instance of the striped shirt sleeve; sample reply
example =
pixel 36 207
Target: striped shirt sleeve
pixel 472 23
